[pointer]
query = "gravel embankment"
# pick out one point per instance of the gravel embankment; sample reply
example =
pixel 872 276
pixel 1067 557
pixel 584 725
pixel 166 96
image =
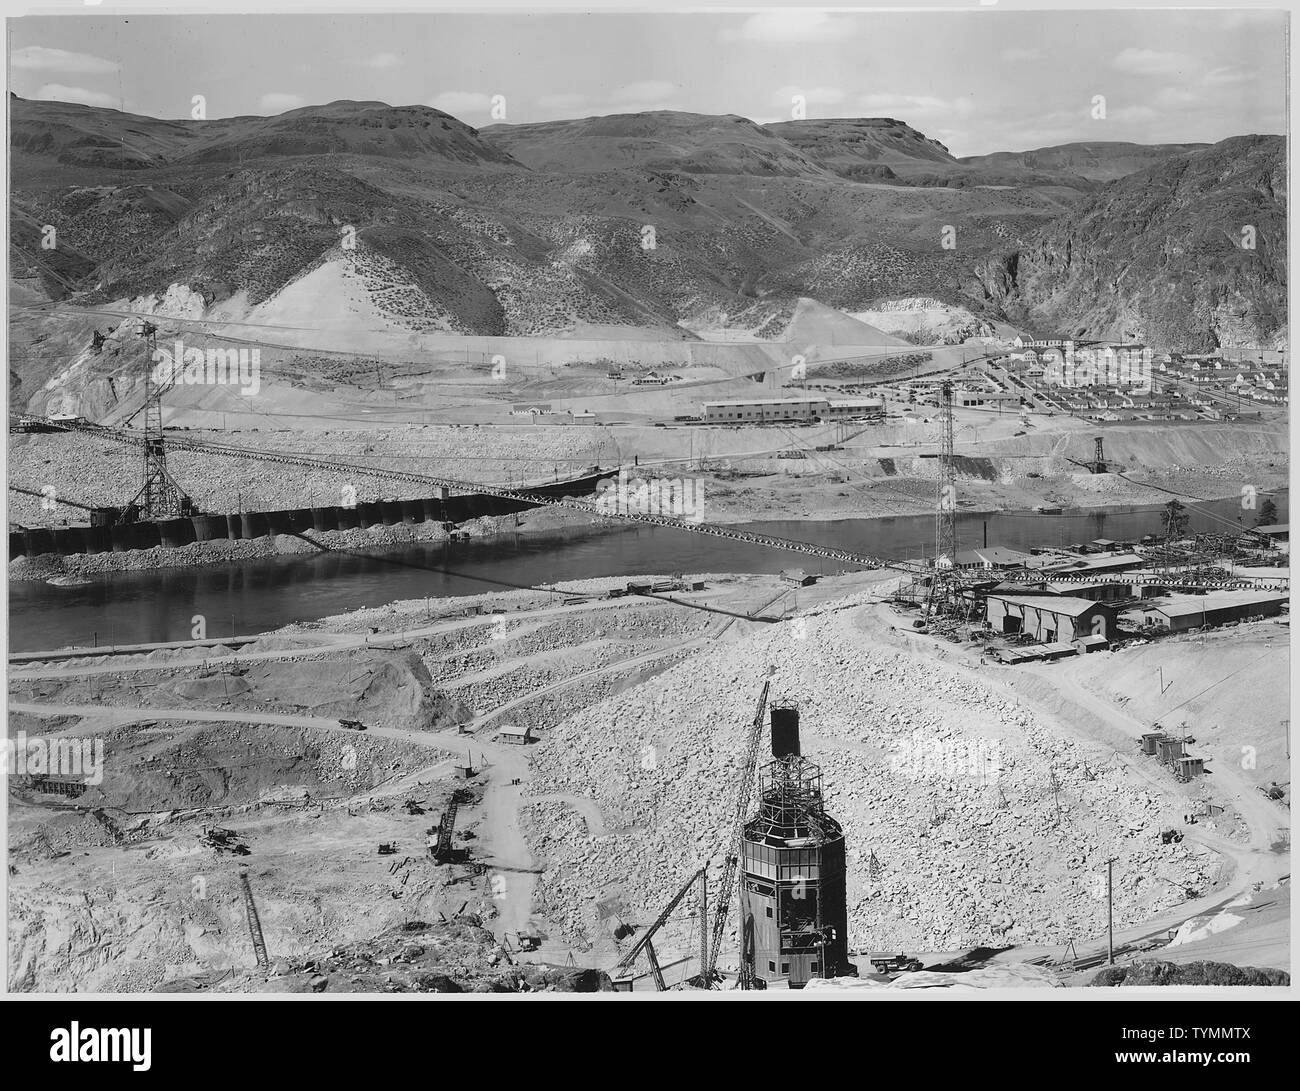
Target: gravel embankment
pixel 944 790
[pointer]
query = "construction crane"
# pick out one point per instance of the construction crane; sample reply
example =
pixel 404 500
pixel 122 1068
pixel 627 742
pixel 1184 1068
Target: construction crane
pixel 254 922
pixel 743 793
pixel 646 942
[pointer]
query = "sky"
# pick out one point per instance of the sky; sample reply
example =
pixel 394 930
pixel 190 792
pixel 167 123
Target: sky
pixel 978 82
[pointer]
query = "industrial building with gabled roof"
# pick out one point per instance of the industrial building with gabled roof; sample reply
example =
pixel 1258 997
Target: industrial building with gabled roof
pixel 1100 562
pixel 1050 619
pixel 993 557
pixel 1180 612
pixel 1107 591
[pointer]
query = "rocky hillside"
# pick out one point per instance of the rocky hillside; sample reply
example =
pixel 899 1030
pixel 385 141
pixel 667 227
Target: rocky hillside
pixel 515 230
pixel 410 220
pixel 864 149
pixel 1094 161
pixel 1189 253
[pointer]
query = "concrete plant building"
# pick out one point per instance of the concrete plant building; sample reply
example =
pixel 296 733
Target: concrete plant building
pixel 793 893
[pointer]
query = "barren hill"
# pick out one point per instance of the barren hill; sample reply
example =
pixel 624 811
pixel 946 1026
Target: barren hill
pixel 1097 161
pixel 405 220
pixel 864 149
pixel 655 140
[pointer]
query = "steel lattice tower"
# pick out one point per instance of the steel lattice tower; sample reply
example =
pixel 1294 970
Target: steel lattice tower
pixel 945 506
pixel 159 497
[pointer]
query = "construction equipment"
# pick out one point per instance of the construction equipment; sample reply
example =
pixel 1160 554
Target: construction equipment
pixel 352 725
pixel 254 923
pixel 728 884
pixel 897 964
pixel 646 944
pixel 222 840
pixel 446 825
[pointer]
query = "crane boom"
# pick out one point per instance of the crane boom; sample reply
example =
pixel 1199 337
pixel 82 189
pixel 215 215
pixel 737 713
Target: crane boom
pixel 743 793
pixel 644 944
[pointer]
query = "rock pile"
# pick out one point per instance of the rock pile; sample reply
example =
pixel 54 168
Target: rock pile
pixel 967 819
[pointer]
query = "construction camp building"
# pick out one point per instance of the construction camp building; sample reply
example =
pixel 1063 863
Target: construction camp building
pixel 1050 619
pixel 1178 613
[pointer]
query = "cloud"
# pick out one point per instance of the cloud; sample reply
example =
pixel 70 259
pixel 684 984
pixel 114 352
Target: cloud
pixel 568 101
pixel 57 92
pixel 458 103
pixel 1177 98
pixel 645 91
pixel 277 102
pixel 1151 62
pixel 782 26
pixel 41 59
pixel 629 98
pixel 814 98
pixel 1016 53
pixel 384 60
pixel 915 109
pixel 1220 77
pixel 1134 115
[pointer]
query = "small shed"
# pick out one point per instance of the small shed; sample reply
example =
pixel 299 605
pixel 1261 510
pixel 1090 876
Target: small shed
pixel 1088 644
pixel 511 733
pixel 798 577
pixel 1169 749
pixel 1150 740
pixel 1187 767
pixel 1059 649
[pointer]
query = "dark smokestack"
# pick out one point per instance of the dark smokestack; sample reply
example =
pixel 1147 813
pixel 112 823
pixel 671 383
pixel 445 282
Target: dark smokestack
pixel 785 732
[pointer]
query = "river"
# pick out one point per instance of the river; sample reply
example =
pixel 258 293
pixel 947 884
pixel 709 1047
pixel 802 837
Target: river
pixel 255 596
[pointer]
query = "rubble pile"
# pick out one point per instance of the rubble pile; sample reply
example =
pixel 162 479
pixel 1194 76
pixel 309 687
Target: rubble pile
pixel 453 957
pixel 967 820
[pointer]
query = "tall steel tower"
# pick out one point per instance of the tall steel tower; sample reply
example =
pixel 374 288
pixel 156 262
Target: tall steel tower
pixel 945 506
pixel 159 497
pixel 944 576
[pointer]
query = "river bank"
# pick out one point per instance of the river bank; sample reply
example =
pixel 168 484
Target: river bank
pixel 50 567
pixel 728 501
